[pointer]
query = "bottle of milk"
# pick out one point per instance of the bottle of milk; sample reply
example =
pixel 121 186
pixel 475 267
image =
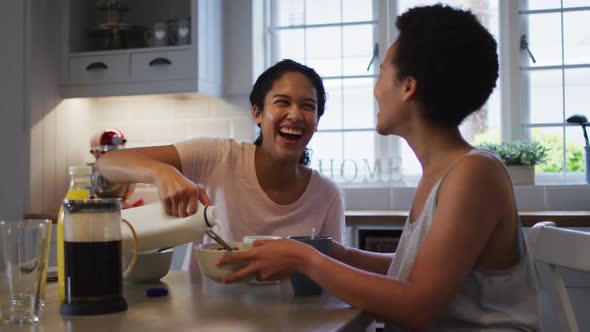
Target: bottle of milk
pixel 155 229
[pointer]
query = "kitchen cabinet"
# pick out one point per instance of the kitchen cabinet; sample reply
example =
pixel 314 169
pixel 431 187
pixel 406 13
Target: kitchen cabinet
pixel 114 52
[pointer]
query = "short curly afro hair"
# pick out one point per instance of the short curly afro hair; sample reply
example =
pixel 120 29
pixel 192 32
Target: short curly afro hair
pixel 452 57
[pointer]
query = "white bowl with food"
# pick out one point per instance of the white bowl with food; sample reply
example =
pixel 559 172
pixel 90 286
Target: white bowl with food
pixel 208 254
pixel 150 267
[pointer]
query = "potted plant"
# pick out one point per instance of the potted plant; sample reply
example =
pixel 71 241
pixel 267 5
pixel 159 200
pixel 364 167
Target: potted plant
pixel 520 157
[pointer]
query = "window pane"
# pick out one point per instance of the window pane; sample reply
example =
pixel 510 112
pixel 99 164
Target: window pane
pixel 577 88
pixel 355 10
pixel 359 103
pixel 327 154
pixel 324 50
pixel 575 158
pixel 551 138
pixel 576 37
pixel 576 3
pixel 350 102
pixel 545 96
pixel 322 11
pixel 410 164
pixel 290 44
pixel 544 39
pixel 332 118
pixel 475 6
pixel 486 124
pixel 540 4
pixel 359 157
pixel 288 12
pixel 326 146
pixel 481 126
pixel 348 157
pixel 359 145
pixel 357 49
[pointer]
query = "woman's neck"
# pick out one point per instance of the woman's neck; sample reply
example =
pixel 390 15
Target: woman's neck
pixel 276 174
pixel 436 146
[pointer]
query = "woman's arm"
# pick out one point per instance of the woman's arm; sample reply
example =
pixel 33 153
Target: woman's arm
pixel 463 222
pixel 364 260
pixel 335 226
pixel 138 165
pixel 160 166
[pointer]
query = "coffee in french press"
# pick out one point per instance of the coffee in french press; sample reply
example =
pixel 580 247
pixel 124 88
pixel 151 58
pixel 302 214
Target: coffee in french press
pixel 93 267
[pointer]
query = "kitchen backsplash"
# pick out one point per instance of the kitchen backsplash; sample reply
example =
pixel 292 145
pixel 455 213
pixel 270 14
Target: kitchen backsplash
pixel 163 119
pixel 144 120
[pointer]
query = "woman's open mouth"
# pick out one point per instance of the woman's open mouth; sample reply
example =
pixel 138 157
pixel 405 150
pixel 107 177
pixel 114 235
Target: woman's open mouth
pixel 290 135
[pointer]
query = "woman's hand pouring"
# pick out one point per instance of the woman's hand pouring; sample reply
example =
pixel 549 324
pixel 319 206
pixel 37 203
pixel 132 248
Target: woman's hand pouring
pixel 179 195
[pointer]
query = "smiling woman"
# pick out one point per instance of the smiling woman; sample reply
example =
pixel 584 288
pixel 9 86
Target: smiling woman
pixel 295 87
pixel 265 188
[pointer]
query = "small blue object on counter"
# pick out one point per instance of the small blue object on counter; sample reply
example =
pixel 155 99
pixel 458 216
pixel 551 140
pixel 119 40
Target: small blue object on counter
pixel 156 292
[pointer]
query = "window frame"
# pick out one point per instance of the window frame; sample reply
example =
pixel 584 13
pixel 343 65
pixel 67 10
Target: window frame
pixel 518 22
pixel 514 101
pixel 384 33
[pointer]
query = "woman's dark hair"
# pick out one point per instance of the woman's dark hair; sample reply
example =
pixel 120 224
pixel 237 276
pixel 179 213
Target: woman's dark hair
pixel 452 57
pixel 264 84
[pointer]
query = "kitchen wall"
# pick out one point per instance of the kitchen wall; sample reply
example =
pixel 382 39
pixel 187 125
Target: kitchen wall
pixel 145 120
pixel 13 118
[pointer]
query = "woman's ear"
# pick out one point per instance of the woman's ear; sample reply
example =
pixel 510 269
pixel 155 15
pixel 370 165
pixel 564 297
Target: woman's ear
pixel 257 115
pixel 409 88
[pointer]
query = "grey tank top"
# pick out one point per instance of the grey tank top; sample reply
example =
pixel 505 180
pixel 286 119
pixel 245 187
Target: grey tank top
pixel 498 300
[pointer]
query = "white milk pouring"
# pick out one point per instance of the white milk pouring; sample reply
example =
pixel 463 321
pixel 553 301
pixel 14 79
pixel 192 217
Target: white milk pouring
pixel 155 229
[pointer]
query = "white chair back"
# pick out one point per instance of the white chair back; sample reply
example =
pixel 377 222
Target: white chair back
pixel 549 248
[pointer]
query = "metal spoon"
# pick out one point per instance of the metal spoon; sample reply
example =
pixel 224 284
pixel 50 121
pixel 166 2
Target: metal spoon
pixel 218 239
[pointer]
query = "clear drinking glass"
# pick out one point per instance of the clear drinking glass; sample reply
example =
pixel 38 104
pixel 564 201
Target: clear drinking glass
pixel 23 246
pixel 45 265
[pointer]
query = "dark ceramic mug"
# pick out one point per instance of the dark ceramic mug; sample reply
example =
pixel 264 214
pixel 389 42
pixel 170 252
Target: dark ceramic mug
pixel 302 285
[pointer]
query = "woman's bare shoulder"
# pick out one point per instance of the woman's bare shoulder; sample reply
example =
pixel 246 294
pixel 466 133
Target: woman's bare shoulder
pixel 479 178
pixel 479 167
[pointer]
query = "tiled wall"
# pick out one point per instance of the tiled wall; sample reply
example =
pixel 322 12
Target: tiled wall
pixel 163 119
pixel 145 120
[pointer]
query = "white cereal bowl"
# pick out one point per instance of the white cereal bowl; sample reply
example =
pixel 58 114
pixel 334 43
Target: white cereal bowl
pixel 150 267
pixel 208 254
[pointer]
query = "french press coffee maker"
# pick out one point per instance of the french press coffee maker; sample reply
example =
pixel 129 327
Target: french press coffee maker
pixel 92 255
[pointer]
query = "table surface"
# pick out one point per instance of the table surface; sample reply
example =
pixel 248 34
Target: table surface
pixel 199 304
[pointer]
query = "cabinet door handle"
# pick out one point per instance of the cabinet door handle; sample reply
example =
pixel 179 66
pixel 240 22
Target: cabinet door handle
pixel 160 62
pixel 97 66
